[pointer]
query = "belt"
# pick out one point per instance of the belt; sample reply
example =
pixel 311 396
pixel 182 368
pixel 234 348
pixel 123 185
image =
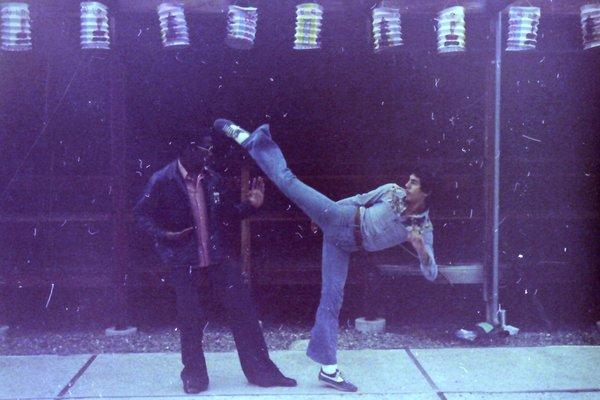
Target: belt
pixel 356 228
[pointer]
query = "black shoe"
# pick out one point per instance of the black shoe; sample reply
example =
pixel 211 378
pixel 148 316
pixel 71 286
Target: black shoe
pixel 194 386
pixel 232 130
pixel 336 381
pixel 193 381
pixel 278 380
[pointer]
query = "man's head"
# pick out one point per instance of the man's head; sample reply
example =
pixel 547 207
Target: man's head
pixel 196 154
pixel 419 187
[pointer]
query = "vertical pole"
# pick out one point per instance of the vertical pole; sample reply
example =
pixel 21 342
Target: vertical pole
pixel 245 228
pixel 118 156
pixel 492 174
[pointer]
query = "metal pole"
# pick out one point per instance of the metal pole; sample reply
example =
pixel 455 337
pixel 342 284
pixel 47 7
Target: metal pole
pixel 493 175
pixel 118 165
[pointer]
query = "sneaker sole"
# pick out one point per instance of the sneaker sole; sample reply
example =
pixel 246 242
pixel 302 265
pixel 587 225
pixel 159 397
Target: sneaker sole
pixel 334 386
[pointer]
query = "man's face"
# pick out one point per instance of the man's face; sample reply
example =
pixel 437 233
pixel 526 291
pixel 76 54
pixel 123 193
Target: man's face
pixel 414 193
pixel 195 157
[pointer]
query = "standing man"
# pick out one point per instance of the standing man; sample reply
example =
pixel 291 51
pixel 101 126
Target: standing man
pixel 191 217
pixel 382 218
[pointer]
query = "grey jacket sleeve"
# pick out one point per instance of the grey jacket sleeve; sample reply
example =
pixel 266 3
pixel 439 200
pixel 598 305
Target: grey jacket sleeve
pixel 368 199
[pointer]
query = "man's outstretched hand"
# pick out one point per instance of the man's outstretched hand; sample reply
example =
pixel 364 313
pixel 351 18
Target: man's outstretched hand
pixel 256 194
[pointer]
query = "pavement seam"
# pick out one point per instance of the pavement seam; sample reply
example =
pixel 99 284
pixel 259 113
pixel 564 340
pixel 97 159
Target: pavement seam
pixel 74 379
pixel 425 374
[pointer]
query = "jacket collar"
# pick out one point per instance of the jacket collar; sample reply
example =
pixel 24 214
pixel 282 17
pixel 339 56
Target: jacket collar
pixel 173 173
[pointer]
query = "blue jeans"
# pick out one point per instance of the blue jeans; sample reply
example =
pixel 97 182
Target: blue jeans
pixel 337 223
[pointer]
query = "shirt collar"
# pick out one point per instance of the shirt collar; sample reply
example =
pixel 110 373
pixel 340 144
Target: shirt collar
pixel 184 173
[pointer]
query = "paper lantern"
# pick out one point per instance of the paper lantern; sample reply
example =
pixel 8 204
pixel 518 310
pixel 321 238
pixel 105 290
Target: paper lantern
pixel 94 26
pixel 173 27
pixel 590 25
pixel 16 26
pixel 387 31
pixel 451 31
pixel 522 28
pixel 241 27
pixel 309 19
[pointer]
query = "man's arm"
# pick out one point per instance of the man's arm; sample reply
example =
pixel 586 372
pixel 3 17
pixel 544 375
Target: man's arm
pixel 422 241
pixel 368 199
pixel 146 210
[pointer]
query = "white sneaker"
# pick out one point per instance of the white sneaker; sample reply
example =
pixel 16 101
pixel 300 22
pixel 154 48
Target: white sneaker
pixel 336 381
pixel 232 130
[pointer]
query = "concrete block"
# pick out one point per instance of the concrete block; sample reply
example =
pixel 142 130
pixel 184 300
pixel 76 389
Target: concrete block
pixel 112 331
pixel 3 331
pixel 365 326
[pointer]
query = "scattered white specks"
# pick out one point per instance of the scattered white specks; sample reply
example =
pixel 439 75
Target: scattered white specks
pixel 50 295
pixel 530 138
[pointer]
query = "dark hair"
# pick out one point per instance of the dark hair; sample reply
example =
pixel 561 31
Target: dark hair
pixel 426 176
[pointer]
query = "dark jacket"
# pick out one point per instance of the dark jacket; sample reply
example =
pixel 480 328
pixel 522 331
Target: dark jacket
pixel 165 206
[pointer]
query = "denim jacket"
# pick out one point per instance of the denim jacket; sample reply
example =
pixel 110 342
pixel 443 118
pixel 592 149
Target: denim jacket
pixel 383 225
pixel 165 207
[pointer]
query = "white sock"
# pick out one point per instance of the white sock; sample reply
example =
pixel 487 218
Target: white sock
pixel 242 135
pixel 329 369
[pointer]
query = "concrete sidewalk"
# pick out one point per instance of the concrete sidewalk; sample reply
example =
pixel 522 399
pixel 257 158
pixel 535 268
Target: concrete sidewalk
pixel 560 372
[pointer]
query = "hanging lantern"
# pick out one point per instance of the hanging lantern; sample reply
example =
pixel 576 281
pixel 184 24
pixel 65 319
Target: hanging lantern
pixel 590 25
pixel 94 26
pixel 309 18
pixel 451 31
pixel 387 31
pixel 522 28
pixel 241 27
pixel 173 27
pixel 16 26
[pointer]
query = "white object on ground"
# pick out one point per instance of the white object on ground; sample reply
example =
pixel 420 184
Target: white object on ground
pixel 113 331
pixel 3 330
pixel 365 326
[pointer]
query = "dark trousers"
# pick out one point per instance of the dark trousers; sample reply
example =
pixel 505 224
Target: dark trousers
pixel 198 289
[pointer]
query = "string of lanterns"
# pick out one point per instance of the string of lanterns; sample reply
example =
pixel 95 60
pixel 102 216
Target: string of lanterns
pixel 523 22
